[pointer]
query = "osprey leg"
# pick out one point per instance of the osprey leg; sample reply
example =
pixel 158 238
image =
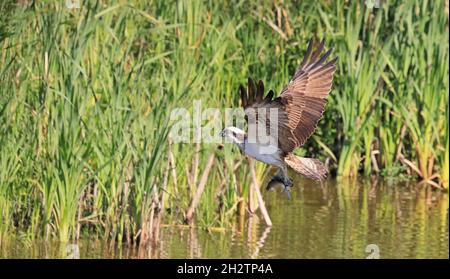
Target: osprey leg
pixel 287 181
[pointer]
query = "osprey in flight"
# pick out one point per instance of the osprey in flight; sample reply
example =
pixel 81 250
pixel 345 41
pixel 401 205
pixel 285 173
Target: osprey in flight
pixel 298 109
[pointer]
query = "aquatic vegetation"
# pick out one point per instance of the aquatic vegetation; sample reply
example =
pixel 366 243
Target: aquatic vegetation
pixel 86 94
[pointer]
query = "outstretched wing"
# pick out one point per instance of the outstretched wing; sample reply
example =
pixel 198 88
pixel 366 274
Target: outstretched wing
pixel 304 98
pixel 300 105
pixel 265 114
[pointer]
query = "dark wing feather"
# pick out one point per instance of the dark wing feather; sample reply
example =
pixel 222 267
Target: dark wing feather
pixel 301 103
pixel 254 102
pixel 305 96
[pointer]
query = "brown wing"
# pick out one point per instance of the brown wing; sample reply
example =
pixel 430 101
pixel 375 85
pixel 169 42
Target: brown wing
pixel 257 108
pixel 304 98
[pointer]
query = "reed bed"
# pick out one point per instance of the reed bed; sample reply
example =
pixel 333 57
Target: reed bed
pixel 86 95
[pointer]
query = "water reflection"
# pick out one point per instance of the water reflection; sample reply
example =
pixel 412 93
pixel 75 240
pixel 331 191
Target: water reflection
pixel 335 220
pixel 260 243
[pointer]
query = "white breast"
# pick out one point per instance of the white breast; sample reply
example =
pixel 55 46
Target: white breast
pixel 268 154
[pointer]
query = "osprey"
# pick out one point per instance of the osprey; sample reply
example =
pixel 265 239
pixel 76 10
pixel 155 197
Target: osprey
pixel 298 110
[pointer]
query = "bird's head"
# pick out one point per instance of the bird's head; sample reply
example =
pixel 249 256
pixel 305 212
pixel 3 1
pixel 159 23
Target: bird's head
pixel 233 134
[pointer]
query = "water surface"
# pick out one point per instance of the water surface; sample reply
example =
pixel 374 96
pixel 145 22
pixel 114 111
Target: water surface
pixel 338 219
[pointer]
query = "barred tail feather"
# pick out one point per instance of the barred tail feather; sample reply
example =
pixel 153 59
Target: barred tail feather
pixel 309 167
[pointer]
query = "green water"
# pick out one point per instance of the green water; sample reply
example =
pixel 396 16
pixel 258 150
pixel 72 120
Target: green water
pixel 335 220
